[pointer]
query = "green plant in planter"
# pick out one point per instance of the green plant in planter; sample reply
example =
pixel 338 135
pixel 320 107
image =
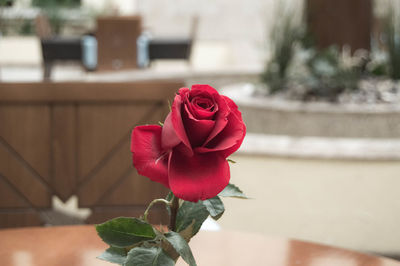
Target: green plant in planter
pixel 296 62
pixel 329 75
pixel 54 9
pixel 54 3
pixel 26 28
pixel 392 41
pixel 285 34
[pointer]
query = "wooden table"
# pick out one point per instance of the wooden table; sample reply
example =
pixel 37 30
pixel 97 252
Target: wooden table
pixel 79 245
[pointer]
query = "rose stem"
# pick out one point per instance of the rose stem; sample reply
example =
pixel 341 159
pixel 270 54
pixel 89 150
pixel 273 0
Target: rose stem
pixel 174 212
pixel 146 213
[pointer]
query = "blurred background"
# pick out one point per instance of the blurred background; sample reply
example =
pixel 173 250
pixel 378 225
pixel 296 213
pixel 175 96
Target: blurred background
pixel 317 82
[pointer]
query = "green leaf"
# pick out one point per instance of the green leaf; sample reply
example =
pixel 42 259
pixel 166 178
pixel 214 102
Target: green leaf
pixel 189 213
pixel 187 233
pixel 123 232
pixel 232 191
pixel 181 246
pixel 150 256
pixel 215 207
pixel 114 255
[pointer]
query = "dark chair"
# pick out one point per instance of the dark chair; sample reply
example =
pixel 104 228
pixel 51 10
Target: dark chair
pixel 59 49
pixel 170 49
pixel 173 48
pixel 55 48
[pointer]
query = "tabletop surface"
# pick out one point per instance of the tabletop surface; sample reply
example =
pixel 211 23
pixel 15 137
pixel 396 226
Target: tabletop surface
pixel 79 245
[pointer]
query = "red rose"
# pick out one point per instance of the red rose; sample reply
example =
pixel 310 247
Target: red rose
pixel 188 154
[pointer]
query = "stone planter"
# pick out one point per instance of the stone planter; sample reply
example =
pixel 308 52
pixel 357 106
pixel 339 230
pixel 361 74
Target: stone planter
pixel 316 129
pixel 292 118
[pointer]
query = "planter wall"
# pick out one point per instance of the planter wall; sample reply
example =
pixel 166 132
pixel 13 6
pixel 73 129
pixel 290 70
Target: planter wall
pixel 273 117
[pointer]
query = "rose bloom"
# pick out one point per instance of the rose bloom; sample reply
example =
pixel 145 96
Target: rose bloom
pixel 188 154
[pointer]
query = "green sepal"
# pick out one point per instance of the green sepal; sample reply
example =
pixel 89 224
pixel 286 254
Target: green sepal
pixel 148 256
pixel 232 191
pixel 114 255
pixel 124 232
pixel 181 247
pixel 215 207
pixel 169 196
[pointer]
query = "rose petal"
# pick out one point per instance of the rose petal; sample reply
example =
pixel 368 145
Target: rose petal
pixel 201 114
pixel 238 115
pixel 197 111
pixel 230 139
pixel 197 130
pixel 227 141
pixel 232 106
pixel 148 157
pixel 204 88
pixel 204 103
pixel 220 118
pixel 168 136
pixel 199 177
pixel 176 119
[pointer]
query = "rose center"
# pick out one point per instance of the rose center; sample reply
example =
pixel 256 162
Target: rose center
pixel 204 103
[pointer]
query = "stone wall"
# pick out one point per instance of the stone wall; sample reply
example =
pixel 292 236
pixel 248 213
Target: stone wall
pixel 241 27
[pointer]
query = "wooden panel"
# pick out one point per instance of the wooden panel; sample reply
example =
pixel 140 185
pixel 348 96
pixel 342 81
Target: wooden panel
pixel 52 134
pixel 88 91
pixel 340 22
pixel 64 150
pixel 101 128
pixel 109 172
pixel 117 164
pixel 23 178
pixel 116 37
pixel 20 218
pixel 26 129
pixel 10 197
pixel 133 189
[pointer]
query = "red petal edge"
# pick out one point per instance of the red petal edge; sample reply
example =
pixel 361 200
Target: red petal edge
pixel 169 139
pixel 148 157
pixel 205 88
pixel 231 137
pixel 176 119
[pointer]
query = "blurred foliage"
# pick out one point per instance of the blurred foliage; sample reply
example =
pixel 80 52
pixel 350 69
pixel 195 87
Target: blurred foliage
pixel 56 3
pixel 332 71
pixel 297 67
pixel 6 3
pixel 284 36
pixel 17 26
pixel 391 34
pixel 26 28
pixel 53 10
pixel 56 19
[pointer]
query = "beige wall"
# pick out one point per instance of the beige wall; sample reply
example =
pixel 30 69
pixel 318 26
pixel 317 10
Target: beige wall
pixel 351 204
